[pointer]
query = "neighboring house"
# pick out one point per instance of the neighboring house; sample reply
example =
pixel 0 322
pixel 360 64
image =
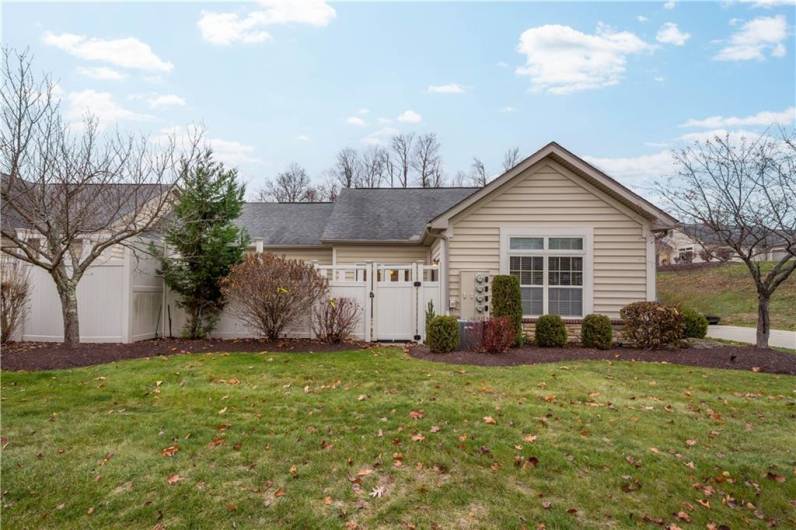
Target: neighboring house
pixel 578 241
pixel 695 243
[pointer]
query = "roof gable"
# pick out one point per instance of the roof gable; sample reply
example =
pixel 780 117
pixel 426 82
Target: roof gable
pixel 589 173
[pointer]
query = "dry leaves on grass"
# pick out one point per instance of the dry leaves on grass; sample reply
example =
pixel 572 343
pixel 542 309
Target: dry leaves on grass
pixel 489 420
pixel 170 450
pixel 173 479
pixel 416 414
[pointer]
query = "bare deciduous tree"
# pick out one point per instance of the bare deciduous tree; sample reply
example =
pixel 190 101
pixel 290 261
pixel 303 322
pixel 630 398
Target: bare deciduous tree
pixel 510 158
pixel 348 168
pixel 427 161
pixel 744 194
pixel 478 174
pixel 402 148
pixel 291 185
pixel 69 193
pixel 373 170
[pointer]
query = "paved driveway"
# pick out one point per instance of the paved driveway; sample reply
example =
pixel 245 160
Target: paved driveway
pixel 777 337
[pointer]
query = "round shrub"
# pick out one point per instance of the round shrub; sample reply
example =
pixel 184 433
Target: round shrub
pixel 695 325
pixel 651 325
pixel 550 331
pixel 498 335
pixel 507 302
pixel 596 332
pixel 443 334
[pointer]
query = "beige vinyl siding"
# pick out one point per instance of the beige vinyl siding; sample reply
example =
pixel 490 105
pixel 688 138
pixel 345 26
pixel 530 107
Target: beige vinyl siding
pixel 322 255
pixel 392 254
pixel 436 251
pixel 550 194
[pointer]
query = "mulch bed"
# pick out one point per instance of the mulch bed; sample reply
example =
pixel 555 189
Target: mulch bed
pixel 52 355
pixel 731 357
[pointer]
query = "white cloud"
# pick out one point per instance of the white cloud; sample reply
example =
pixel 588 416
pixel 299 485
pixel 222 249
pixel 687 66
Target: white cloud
pixel 363 111
pixel 734 135
pixel 769 3
pixel 160 101
pixel 669 33
pixel 100 105
pixel 356 120
pixel 228 151
pixel 126 53
pixel 755 38
pixel 508 108
pixel 102 73
pixel 303 138
pixel 228 27
pixel 659 78
pixel 562 60
pixel 410 116
pixel 670 4
pixel 502 64
pixel 761 119
pixel 450 88
pixel 384 121
pixel 639 170
pixel 642 18
pixel 381 136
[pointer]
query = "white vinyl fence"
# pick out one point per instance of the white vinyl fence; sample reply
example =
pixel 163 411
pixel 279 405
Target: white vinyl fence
pixel 121 298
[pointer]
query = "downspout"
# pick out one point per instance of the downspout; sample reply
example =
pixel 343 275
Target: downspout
pixel 444 272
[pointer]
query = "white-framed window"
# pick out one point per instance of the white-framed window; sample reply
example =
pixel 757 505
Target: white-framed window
pixel 553 267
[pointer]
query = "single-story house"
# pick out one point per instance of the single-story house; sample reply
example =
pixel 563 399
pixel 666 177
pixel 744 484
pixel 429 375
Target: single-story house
pixel 695 243
pixel 578 241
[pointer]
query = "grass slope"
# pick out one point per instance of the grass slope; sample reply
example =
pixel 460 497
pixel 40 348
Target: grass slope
pixel 729 292
pixel 275 440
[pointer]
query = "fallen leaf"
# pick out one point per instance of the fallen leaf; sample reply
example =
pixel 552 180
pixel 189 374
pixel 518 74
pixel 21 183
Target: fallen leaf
pixel 279 493
pixel 418 437
pixel 173 479
pixel 683 516
pixel 362 397
pixel 530 438
pixel 90 511
pixel 690 443
pixel 170 450
pixel 215 442
pixel 416 414
pixel 232 507
pixel 489 420
pixel 775 476
pixel 435 428
pixel 293 471
pixel 327 500
pixel 223 411
pixel 378 491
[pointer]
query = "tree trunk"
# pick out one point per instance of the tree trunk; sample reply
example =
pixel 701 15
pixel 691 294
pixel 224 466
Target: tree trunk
pixel 763 323
pixel 68 294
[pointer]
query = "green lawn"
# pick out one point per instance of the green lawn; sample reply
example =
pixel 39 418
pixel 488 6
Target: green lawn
pixel 301 440
pixel 729 292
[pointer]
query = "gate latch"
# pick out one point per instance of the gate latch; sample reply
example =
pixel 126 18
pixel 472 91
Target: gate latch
pixel 372 294
pixel 417 284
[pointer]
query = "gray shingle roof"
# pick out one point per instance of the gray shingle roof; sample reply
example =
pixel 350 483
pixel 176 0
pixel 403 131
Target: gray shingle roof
pixel 285 223
pixel 388 214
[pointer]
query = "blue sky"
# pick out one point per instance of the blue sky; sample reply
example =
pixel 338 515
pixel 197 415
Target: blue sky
pixel 275 82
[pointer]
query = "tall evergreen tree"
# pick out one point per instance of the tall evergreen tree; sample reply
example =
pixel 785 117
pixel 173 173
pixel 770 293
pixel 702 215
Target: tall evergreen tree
pixel 202 240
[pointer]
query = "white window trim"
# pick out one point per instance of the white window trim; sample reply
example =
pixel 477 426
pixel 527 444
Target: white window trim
pixel 541 230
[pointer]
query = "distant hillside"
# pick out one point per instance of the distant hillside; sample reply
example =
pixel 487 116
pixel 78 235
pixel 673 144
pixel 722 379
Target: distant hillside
pixel 727 291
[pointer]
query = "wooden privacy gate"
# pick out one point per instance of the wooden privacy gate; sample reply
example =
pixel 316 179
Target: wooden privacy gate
pixel 392 298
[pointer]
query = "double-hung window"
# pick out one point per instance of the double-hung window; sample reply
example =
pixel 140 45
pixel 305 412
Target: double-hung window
pixel 551 272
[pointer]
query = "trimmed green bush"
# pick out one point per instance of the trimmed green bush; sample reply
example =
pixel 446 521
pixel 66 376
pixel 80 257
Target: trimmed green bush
pixel 550 331
pixel 596 332
pixel 507 302
pixel 651 325
pixel 695 325
pixel 443 334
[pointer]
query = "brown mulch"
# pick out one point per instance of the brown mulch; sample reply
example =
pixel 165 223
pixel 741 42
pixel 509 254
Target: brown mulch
pixel 52 355
pixel 730 357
